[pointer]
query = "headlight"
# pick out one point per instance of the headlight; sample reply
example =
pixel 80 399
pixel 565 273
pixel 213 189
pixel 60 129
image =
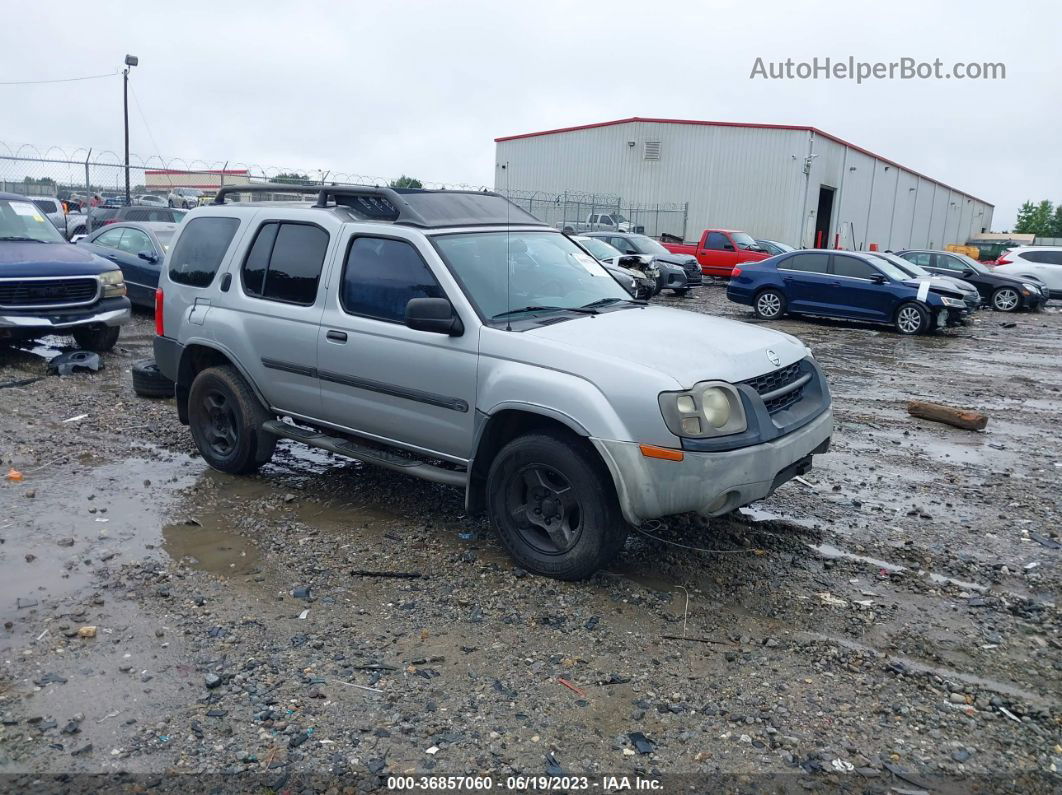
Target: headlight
pixel 1032 288
pixel 958 303
pixel 711 408
pixel 113 284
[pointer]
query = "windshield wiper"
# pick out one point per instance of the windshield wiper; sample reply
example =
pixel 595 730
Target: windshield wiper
pixel 579 309
pixel 21 239
pixel 609 301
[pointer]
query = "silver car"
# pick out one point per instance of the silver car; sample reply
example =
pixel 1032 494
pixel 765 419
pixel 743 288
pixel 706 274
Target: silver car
pixel 452 336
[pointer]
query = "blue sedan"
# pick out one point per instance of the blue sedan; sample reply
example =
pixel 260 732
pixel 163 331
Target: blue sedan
pixel 139 249
pixel 844 284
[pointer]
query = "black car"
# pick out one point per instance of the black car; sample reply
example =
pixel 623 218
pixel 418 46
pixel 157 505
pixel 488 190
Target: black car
pixel 631 243
pixel 1002 293
pixel 101 216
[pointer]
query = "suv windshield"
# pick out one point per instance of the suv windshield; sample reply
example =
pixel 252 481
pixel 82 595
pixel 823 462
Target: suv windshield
pixel 545 269
pixel 646 245
pixel 22 220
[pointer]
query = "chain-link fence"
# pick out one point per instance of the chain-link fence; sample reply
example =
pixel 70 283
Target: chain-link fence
pixel 587 212
pixel 84 179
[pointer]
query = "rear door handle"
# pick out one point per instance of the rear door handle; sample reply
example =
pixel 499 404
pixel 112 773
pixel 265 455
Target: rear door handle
pixel 337 336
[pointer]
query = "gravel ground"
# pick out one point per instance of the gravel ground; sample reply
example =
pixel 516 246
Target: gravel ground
pixel 889 622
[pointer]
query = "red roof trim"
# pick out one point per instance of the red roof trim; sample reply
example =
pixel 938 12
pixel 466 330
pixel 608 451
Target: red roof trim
pixel 234 171
pixel 815 130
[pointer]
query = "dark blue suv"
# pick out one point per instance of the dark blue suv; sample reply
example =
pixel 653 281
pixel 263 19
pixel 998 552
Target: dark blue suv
pixel 845 284
pixel 48 286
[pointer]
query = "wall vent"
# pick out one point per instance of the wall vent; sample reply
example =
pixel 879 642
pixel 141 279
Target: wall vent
pixel 652 150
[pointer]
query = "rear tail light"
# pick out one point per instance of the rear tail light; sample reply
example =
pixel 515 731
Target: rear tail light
pixel 735 273
pixel 1002 261
pixel 109 221
pixel 160 328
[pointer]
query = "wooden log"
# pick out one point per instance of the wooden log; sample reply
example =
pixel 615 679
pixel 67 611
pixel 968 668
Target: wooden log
pixel 967 419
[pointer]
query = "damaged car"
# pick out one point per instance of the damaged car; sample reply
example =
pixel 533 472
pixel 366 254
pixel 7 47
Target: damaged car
pixel 454 337
pixel 49 286
pixel 848 285
pixel 639 277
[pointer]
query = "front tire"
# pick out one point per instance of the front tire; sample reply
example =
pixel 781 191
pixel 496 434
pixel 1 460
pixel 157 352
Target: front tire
pixel 1005 299
pixel 99 340
pixel 911 318
pixel 769 305
pixel 226 418
pixel 554 506
pixel 681 292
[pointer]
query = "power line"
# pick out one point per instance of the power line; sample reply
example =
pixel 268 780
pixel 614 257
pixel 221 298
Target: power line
pixel 60 80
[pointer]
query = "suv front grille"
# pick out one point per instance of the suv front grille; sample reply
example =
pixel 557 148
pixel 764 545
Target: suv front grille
pixel 772 383
pixel 19 293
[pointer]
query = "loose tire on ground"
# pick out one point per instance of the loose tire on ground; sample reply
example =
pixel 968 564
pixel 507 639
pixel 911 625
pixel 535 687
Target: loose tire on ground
pixel 536 477
pixel 148 380
pixel 911 318
pixel 99 340
pixel 769 304
pixel 225 417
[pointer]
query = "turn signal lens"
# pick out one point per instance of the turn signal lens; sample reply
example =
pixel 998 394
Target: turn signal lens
pixel 664 453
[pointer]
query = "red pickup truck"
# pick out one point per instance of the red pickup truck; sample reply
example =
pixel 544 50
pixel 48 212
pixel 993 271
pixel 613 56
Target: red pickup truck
pixel 720 250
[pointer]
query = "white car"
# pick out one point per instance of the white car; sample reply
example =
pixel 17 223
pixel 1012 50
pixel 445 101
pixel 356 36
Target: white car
pixel 151 199
pixel 1043 263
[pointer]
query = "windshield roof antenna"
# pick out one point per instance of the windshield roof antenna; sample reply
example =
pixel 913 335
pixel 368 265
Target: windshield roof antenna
pixel 508 258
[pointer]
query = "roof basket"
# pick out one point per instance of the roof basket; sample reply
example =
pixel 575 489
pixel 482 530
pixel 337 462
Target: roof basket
pixel 424 208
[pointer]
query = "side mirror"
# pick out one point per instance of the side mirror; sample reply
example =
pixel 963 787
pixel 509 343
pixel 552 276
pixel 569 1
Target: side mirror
pixel 728 247
pixel 435 315
pixel 968 273
pixel 878 278
pixel 148 256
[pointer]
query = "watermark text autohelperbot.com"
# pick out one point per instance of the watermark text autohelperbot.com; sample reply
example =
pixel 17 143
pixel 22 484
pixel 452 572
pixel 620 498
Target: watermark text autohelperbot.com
pixel 863 71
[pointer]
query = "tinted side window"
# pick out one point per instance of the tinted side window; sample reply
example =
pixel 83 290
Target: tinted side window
pixel 717 241
pixel 109 239
pixel 809 263
pixel 254 267
pixel 949 263
pixel 46 205
pixel 202 246
pixel 381 276
pixel 922 259
pixel 1048 257
pixel 134 241
pixel 295 264
pixel 850 266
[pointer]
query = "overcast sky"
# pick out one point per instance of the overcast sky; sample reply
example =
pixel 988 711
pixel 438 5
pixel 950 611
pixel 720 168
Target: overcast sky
pixel 423 88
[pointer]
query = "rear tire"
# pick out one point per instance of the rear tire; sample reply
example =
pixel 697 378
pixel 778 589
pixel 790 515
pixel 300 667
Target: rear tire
pixel 554 506
pixel 226 418
pixel 1005 299
pixel 99 340
pixel 769 304
pixel 148 380
pixel 911 319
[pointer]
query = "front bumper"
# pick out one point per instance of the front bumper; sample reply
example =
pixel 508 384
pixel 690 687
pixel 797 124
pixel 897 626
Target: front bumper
pixel 108 312
pixel 710 484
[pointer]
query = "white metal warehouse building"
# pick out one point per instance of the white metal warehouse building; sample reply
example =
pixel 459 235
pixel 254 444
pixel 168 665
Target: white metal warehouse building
pixel 794 184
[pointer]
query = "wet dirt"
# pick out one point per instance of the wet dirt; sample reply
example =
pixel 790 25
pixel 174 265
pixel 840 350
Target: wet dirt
pixel 845 617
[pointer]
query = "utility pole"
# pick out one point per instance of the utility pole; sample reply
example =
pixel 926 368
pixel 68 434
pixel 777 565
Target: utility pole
pixel 130 62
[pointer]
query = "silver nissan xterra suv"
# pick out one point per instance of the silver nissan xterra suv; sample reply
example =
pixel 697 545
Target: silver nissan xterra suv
pixel 451 336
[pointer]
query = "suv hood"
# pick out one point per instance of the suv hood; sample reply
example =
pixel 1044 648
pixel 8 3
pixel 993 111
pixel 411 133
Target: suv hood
pixel 711 347
pixel 20 260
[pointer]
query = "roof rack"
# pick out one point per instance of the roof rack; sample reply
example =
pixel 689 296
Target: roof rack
pixel 407 206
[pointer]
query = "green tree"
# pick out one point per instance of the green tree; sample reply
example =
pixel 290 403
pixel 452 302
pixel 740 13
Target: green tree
pixel 1035 219
pixel 407 182
pixel 39 181
pixel 1056 222
pixel 292 178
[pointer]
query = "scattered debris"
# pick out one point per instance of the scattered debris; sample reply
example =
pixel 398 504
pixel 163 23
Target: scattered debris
pixel 73 361
pixel 695 640
pixel 75 418
pixel 967 419
pixel 404 575
pixel 1044 541
pixel 828 598
pixel 641 743
pixel 86 632
pixel 14 475
pixel 570 686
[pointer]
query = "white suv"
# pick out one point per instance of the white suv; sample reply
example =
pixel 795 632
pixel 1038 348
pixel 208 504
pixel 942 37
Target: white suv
pixel 1043 263
pixel 451 336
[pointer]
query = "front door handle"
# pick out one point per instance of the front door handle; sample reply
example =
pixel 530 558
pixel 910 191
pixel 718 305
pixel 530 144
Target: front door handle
pixel 337 336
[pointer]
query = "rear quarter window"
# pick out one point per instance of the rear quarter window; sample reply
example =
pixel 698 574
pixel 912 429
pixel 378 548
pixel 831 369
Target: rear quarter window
pixel 201 248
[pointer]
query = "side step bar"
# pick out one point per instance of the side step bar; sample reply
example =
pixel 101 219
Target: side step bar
pixel 369 455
